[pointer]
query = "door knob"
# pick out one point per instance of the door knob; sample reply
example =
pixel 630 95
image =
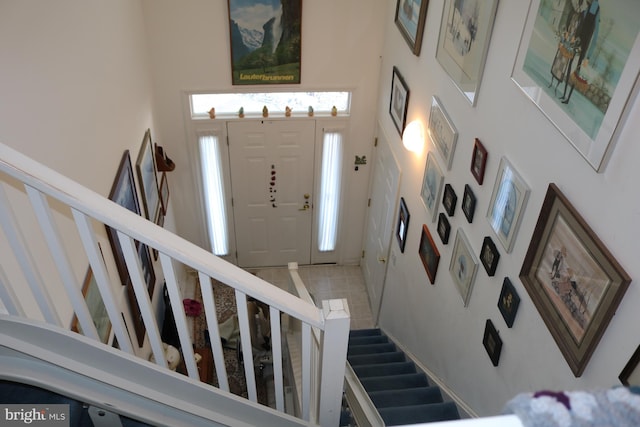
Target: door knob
pixel 304 208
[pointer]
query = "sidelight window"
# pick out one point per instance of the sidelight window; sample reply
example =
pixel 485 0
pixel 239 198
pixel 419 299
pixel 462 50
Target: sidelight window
pixel 214 197
pixel 329 198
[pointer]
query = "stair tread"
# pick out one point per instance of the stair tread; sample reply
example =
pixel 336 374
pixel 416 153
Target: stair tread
pixel 364 332
pixel 367 359
pixel 395 382
pixel 406 397
pixel 415 414
pixel 373 339
pixel 384 369
pixel 371 348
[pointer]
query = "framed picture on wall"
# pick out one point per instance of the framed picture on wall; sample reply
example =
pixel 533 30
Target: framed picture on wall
pixel 478 161
pixel 468 203
pixel 431 185
pixel 403 224
pixel 271 60
pixel 444 228
pixel 148 178
pixel 465 31
pixel 581 76
pixel 630 375
pixel 442 132
pixel 399 100
pixel 96 307
pixel 489 255
pixel 508 302
pixel 449 199
pixel 574 281
pixel 429 254
pixel 410 18
pixel 492 342
pixel 463 266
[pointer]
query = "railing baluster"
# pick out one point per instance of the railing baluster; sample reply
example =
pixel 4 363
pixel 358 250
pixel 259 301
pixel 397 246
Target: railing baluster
pixel 214 330
pixel 25 260
pixel 59 254
pixel 276 357
pixel 8 296
pixel 306 371
pixel 245 340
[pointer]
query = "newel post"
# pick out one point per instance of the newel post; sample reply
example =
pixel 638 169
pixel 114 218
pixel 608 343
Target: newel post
pixel 333 360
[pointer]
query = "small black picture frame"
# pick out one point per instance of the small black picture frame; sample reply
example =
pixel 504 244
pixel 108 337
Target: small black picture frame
pixel 489 256
pixel 478 161
pixel 449 199
pixel 508 302
pixel 444 228
pixel 468 203
pixel 403 224
pixel 492 342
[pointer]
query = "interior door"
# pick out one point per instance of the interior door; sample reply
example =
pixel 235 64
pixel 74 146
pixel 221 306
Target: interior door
pixel 272 183
pixel 384 196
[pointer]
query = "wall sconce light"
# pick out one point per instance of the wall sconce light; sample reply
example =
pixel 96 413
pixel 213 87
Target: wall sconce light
pixel 413 136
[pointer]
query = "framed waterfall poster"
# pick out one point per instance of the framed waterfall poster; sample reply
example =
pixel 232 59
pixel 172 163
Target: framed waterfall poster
pixel 265 41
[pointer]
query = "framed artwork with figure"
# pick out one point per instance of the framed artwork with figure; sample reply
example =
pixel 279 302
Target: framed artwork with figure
pixel 410 18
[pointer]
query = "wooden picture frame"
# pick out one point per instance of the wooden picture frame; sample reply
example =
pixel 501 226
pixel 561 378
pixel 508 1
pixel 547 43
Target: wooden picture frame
pixel 630 375
pixel 508 201
pixel 410 18
pixel 465 31
pixel 429 254
pixel 432 182
pixel 442 132
pixel 463 266
pixel 489 256
pixel 148 178
pixel 508 302
pixel 574 281
pixel 403 224
pixel 444 228
pixel 399 102
pixel 468 203
pixel 492 342
pixel 478 161
pixel 449 199
pixel 96 307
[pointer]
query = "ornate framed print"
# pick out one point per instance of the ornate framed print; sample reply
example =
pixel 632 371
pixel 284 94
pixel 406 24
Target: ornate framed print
pixel 574 281
pixel 579 65
pixel 478 161
pixel 148 179
pixel 431 185
pixel 403 224
pixel 465 31
pixel 468 203
pixel 463 266
pixel 442 132
pixel 429 254
pixel 508 302
pixel 444 228
pixel 508 200
pixel 492 342
pixel 410 18
pixel 399 100
pixel 449 199
pixel 489 256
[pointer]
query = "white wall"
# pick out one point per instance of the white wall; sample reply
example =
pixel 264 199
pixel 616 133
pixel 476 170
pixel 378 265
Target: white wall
pixel 431 320
pixel 189 48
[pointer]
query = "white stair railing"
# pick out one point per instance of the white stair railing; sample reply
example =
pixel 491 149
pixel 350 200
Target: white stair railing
pixel 72 220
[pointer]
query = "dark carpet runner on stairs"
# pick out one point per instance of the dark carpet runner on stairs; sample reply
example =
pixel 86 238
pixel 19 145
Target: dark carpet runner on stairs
pixel 399 390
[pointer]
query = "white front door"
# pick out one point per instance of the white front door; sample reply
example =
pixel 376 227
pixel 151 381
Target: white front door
pixel 272 184
pixel 384 197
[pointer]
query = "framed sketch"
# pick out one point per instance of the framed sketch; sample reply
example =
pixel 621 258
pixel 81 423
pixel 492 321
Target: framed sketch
pixel 492 342
pixel 96 307
pixel 508 201
pixel 444 228
pixel 579 63
pixel 442 132
pixel 630 375
pixel 399 100
pixel 572 278
pixel 403 224
pixel 489 256
pixel 429 254
pixel 478 161
pixel 263 58
pixel 465 31
pixel 410 18
pixel 431 185
pixel 508 302
pixel 463 266
pixel 468 203
pixel 449 200
pixel 148 179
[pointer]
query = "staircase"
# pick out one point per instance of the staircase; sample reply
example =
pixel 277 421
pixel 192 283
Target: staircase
pixel 399 391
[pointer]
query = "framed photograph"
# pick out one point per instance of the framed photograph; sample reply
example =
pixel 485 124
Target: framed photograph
pixel 465 31
pixel 508 201
pixel 579 63
pixel 572 278
pixel 442 132
pixel 429 254
pixel 148 179
pixel 630 375
pixel 261 58
pixel 164 193
pixel 449 199
pixel 508 302
pixel 492 342
pixel 478 161
pixel 403 224
pixel 431 185
pixel 489 255
pixel 444 229
pixel 410 18
pixel 96 307
pixel 399 100
pixel 463 266
pixel 468 203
